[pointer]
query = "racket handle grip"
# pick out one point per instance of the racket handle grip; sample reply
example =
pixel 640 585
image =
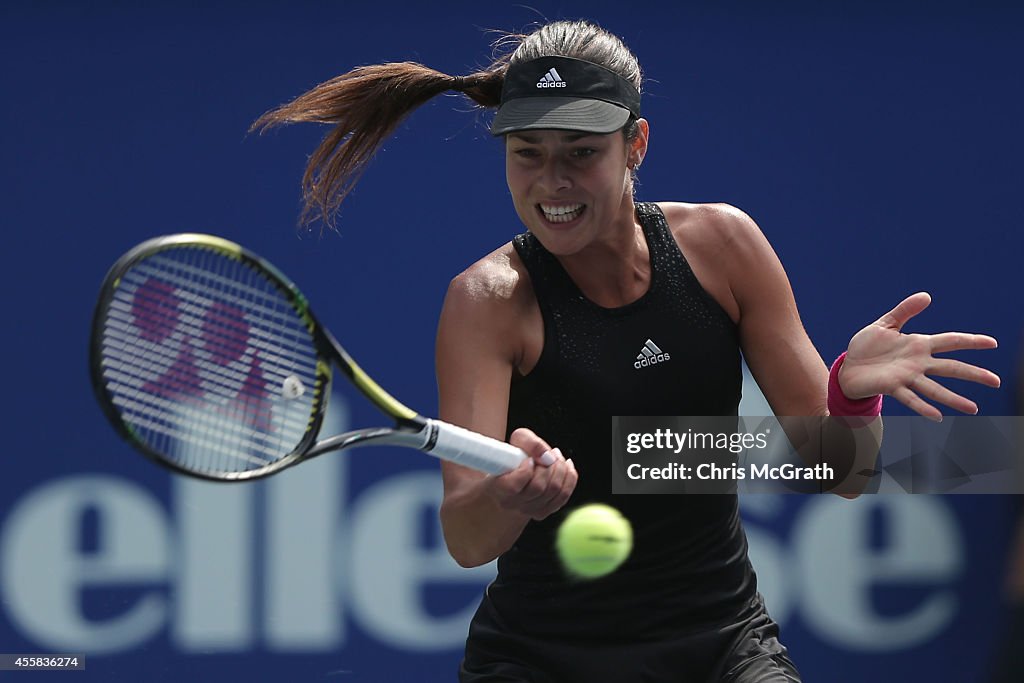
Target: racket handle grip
pixel 464 447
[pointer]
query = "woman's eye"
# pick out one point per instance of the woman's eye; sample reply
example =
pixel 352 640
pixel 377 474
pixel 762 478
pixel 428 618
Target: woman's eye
pixel 526 153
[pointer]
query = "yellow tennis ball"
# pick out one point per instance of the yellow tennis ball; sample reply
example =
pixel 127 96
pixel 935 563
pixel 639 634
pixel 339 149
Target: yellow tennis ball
pixel 593 541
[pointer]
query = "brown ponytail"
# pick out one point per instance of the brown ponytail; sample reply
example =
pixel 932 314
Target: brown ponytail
pixel 366 105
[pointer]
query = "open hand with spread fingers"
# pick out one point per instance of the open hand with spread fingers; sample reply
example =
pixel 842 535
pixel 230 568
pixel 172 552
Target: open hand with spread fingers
pixel 882 359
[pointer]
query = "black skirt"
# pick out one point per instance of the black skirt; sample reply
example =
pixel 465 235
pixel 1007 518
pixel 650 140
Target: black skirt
pixel 744 650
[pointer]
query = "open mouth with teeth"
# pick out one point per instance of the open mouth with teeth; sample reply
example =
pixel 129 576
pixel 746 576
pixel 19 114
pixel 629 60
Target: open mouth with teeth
pixel 561 214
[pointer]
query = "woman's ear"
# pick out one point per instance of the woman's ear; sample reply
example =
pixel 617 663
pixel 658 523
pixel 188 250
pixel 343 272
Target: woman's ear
pixel 638 146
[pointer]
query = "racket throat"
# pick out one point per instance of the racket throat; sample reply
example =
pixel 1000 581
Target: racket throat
pixel 374 436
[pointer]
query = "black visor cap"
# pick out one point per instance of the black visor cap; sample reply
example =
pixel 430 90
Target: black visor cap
pixel 563 93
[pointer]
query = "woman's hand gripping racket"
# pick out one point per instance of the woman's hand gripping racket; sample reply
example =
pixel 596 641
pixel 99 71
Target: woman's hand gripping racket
pixel 209 361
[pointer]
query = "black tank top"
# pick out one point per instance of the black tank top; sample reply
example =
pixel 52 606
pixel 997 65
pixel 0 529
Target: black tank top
pixel 689 566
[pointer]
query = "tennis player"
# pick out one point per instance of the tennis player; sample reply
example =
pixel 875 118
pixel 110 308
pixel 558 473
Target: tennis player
pixel 539 341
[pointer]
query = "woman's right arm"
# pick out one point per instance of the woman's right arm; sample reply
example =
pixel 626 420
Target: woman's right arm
pixel 479 342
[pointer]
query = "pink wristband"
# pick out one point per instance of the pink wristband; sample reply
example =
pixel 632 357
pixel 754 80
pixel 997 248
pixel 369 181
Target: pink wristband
pixel 841 406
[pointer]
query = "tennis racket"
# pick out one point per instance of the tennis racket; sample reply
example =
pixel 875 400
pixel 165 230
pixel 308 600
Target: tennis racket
pixel 208 360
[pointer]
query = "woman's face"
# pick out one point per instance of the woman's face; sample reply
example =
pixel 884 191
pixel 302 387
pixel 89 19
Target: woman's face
pixel 569 188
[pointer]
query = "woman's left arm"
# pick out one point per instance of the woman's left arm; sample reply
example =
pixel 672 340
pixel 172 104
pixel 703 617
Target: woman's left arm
pixel 880 358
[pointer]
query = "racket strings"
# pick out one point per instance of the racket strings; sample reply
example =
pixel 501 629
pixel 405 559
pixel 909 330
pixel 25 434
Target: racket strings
pixel 120 321
pixel 275 322
pixel 218 363
pixel 208 362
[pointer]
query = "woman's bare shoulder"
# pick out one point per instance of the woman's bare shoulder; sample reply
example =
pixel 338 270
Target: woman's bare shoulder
pixel 708 226
pixel 497 285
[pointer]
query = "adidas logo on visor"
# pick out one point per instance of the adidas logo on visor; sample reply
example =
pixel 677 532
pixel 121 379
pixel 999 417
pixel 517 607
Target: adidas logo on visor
pixel 551 80
pixel 650 355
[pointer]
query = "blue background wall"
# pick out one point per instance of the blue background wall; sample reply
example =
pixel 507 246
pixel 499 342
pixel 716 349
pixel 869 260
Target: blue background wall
pixel 877 146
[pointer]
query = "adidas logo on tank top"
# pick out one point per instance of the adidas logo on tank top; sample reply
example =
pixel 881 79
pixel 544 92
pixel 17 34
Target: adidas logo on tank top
pixel 650 355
